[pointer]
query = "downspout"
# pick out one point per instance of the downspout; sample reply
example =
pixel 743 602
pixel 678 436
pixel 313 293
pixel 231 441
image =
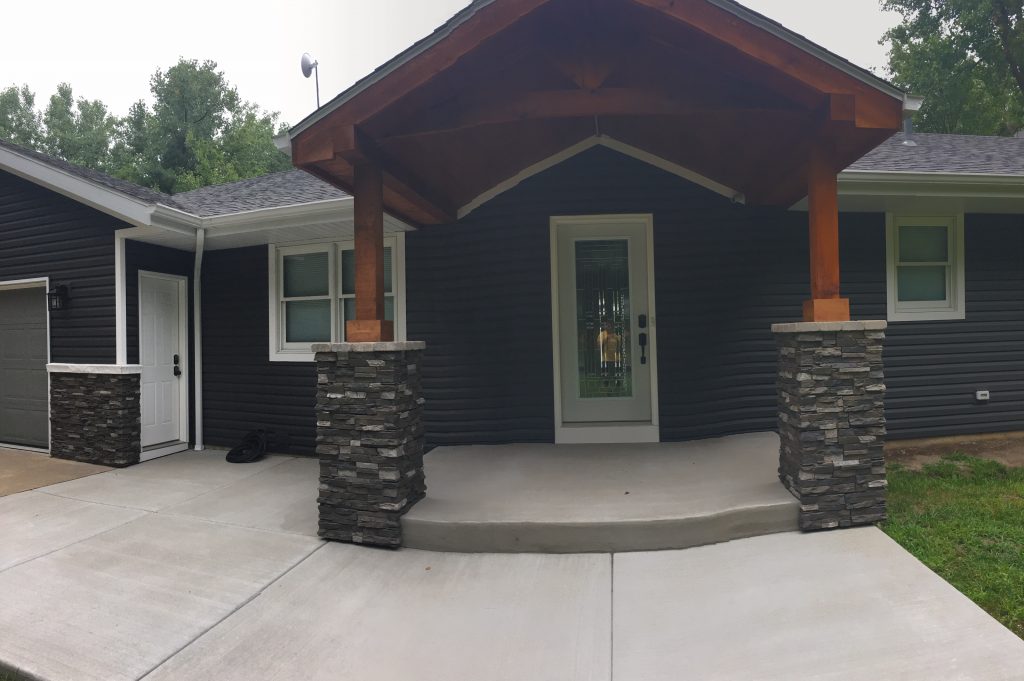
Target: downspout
pixel 197 336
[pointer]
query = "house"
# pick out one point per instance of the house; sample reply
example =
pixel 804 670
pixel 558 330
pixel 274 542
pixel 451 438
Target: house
pixel 592 214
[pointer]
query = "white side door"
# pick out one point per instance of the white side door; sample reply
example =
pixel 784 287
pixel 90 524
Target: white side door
pixel 161 357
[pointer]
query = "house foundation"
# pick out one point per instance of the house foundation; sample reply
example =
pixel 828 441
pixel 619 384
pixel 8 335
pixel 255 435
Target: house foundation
pixel 94 413
pixel 370 436
pixel 831 403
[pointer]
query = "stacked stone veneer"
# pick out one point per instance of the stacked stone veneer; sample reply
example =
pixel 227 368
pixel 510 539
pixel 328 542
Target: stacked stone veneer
pixel 831 396
pixel 369 423
pixel 95 415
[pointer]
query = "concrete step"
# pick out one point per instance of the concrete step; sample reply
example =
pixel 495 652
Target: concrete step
pixel 600 498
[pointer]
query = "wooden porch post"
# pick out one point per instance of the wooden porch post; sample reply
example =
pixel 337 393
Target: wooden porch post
pixel 825 304
pixel 369 326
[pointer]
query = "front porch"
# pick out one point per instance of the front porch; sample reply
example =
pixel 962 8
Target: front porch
pixel 544 498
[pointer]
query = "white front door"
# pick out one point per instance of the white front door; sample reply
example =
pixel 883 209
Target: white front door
pixel 162 358
pixel 605 325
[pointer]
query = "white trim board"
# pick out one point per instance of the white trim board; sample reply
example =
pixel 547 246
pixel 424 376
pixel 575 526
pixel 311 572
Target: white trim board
pixel 614 433
pixel 609 143
pixel 183 344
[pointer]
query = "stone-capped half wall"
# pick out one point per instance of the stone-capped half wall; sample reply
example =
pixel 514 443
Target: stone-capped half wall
pixel 369 437
pixel 95 415
pixel 831 399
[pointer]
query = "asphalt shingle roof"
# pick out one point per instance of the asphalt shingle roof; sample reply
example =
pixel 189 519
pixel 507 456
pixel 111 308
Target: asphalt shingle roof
pixel 123 186
pixel 952 154
pixel 286 188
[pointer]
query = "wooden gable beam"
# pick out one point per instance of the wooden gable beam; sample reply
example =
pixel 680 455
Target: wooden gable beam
pixel 874 109
pixel 556 104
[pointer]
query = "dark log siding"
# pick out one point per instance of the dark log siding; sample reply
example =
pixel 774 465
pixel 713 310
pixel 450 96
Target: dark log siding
pixel 43 233
pixel 479 295
pixel 242 389
pixel 151 258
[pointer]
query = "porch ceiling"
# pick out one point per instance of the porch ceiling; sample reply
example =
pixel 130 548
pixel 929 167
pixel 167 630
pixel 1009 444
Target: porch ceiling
pixel 518 81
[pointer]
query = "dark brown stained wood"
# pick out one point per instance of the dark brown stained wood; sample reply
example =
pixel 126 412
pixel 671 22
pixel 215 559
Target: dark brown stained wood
pixel 45 234
pixel 825 304
pixel 685 81
pixel 369 325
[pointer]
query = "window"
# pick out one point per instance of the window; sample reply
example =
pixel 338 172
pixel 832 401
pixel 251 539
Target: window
pixel 312 295
pixel 925 268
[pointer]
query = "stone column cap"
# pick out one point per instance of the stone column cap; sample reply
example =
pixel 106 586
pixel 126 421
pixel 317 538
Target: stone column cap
pixel 94 368
pixel 825 327
pixel 392 346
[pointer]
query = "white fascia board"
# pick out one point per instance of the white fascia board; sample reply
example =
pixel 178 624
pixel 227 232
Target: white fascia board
pixel 874 183
pixel 176 220
pixel 110 201
pixel 297 215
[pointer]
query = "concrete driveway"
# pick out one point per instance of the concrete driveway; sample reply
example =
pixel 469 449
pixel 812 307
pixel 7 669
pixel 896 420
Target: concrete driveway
pixel 191 568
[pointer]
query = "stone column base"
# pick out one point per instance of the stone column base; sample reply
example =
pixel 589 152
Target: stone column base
pixel 95 415
pixel 831 400
pixel 369 437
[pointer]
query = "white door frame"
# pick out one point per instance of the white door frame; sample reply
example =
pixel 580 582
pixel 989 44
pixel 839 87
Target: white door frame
pixel 183 343
pixel 612 433
pixel 44 283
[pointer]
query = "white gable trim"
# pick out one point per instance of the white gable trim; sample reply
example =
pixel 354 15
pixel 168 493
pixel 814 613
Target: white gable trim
pixel 95 195
pixel 610 143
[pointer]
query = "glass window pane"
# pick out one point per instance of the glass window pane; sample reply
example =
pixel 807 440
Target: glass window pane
pixel 308 321
pixel 348 271
pixel 306 275
pixel 924 284
pixel 924 244
pixel 603 319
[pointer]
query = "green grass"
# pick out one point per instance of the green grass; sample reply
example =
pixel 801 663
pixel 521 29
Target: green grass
pixel 964 518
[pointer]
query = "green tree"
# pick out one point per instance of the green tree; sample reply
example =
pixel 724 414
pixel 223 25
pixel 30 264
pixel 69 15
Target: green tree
pixel 966 58
pixel 19 121
pixel 79 131
pixel 198 132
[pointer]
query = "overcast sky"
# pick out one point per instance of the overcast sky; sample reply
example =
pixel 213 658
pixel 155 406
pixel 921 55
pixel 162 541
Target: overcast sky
pixel 107 49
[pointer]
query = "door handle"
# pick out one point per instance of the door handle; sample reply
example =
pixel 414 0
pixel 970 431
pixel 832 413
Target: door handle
pixel 643 348
pixel 177 370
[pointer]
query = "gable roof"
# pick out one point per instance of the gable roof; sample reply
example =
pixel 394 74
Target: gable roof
pixel 946 154
pixel 733 6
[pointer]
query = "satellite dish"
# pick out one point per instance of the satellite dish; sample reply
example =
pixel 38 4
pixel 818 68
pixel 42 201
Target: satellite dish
pixel 308 64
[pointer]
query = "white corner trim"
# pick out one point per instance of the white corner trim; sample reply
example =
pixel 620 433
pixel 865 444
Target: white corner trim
pixel 120 301
pixel 610 143
pixel 112 369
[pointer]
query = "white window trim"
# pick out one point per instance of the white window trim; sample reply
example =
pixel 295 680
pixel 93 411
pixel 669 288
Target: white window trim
pixel 279 351
pixel 908 311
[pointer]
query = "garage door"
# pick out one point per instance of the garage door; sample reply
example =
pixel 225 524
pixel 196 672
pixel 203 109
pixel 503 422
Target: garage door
pixel 23 354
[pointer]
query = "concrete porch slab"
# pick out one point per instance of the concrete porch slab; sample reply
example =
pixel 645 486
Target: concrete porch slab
pixel 281 499
pixel 356 613
pixel 600 498
pixel 115 606
pixel 160 483
pixel 849 605
pixel 23 470
pixel 33 524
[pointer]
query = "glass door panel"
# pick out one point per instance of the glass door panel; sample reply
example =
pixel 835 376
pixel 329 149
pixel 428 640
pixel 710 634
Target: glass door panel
pixel 603 319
